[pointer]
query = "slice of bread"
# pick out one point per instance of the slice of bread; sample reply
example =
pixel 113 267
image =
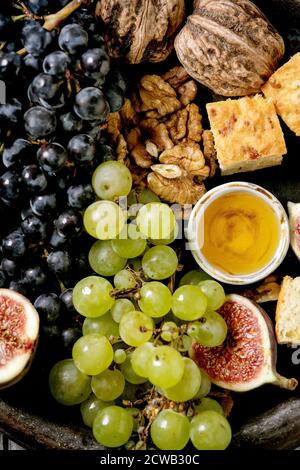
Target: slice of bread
pixel 294 220
pixel 247 134
pixel 288 312
pixel 284 89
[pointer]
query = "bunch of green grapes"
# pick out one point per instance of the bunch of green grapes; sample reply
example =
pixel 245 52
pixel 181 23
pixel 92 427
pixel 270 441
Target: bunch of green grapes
pixel 137 334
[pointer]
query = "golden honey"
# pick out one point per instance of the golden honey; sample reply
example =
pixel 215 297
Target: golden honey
pixel 240 234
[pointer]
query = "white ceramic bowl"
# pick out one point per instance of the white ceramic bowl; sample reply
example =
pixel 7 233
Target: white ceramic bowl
pixel 196 220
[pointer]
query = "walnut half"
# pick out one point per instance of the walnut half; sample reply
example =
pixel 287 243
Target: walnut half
pixel 137 148
pixel 181 190
pixel 157 97
pixel 187 155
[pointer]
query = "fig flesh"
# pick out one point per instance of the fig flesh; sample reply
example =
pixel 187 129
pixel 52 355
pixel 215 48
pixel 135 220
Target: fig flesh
pixel 247 358
pixel 19 328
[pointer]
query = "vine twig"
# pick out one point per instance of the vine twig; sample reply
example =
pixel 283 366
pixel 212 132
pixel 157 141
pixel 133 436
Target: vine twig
pixel 54 20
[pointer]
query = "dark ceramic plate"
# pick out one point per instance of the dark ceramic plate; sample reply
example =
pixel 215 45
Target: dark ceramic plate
pixel 267 417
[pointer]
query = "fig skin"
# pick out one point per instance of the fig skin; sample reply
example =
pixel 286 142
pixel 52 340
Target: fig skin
pixel 24 328
pixel 247 358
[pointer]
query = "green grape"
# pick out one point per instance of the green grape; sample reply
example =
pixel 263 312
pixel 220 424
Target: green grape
pixel 132 198
pixel 90 407
pixel 104 260
pixel 108 385
pixel 170 239
pixel 129 374
pixel 170 430
pixel 156 220
pixel 137 198
pixel 210 331
pixel 210 431
pixel 169 331
pixel 188 386
pixel 138 418
pixel 209 404
pixel 120 356
pixel 194 277
pixel 135 264
pixel 92 354
pixel 141 358
pixel 186 342
pixel 214 293
pixel 189 303
pixel 133 232
pixel 130 243
pixel 130 391
pixel 166 367
pixel 111 180
pixel 104 220
pixel 129 248
pixel 68 385
pixel 91 296
pixel 159 262
pixel 135 328
pixel 155 299
pixel 146 196
pixel 121 307
pixel 124 279
pixel 103 325
pixel 205 385
pixel 113 426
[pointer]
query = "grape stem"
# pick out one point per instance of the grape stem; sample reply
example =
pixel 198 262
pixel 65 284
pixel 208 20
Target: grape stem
pixel 181 331
pixel 115 340
pixel 153 404
pixel 18 17
pixel 54 20
pixel 22 52
pixel 172 280
pixel 132 292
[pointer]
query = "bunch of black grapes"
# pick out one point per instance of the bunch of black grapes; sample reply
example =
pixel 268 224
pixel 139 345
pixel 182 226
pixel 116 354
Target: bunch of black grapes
pixel 60 87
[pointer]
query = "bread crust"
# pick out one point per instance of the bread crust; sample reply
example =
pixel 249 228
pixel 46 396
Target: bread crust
pixel 283 87
pixel 294 222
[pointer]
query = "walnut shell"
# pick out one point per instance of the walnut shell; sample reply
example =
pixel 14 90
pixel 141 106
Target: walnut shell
pixel 229 46
pixel 141 30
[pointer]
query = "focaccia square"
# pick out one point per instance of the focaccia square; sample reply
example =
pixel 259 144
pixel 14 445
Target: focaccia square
pixel 247 134
pixel 283 87
pixel 288 312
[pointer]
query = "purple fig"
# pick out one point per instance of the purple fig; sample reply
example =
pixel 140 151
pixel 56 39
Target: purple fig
pixel 19 329
pixel 247 358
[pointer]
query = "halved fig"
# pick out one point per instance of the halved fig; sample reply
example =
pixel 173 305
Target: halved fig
pixel 19 329
pixel 247 358
pixel 294 219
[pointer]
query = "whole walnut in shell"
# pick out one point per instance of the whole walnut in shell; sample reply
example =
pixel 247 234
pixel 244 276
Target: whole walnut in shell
pixel 229 46
pixel 141 30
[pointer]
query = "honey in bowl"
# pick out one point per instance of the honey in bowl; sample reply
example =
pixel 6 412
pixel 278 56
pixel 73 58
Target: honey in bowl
pixel 240 233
